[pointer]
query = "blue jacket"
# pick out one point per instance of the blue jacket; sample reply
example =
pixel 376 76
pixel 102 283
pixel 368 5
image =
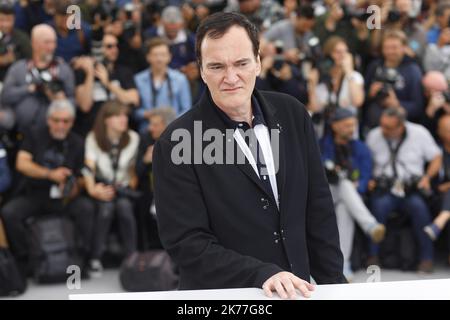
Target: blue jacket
pixel 181 94
pixel 5 173
pixel 361 159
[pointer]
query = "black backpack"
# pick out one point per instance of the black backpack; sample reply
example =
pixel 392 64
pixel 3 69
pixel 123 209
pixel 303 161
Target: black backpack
pixel 150 270
pixel 52 248
pixel 399 248
pixel 12 282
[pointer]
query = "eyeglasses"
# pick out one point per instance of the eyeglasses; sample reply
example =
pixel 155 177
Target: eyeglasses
pixel 63 120
pixel 110 45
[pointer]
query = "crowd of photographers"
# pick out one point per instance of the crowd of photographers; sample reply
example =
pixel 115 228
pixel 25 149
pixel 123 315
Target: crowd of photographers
pixel 82 107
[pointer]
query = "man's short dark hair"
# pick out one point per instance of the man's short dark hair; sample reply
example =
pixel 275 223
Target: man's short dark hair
pixel 398 113
pixel 217 24
pixel 305 11
pixel 153 43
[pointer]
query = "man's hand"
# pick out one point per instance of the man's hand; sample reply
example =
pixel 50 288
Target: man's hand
pixel 391 101
pixel 103 192
pixel 102 74
pixel 424 183
pixel 444 187
pixel 59 175
pixel 375 88
pixel 285 284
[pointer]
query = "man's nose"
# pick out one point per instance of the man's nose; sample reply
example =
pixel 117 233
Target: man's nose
pixel 231 75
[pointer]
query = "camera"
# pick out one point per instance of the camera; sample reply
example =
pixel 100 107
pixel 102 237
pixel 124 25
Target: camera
pixel 120 190
pixel 334 175
pixel 71 181
pixel 360 14
pixel 279 58
pixel 387 76
pixel 412 186
pixel 5 44
pixel 394 16
pixel 44 80
pixel 384 183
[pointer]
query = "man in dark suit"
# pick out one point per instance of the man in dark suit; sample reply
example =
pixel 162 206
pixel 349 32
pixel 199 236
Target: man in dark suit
pixel 266 222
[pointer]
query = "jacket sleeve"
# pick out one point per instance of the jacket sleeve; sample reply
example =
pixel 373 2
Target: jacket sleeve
pixel 325 257
pixel 14 90
pixel 186 234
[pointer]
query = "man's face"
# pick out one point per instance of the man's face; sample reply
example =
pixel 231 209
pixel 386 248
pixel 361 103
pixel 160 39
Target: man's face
pixel 345 128
pixel 44 46
pixel 391 127
pixel 59 124
pixel 171 29
pixel 109 48
pixel 229 68
pixel 6 23
pixel 156 126
pixel 303 24
pixel 61 21
pixel 393 50
pixel 443 19
pixel 159 57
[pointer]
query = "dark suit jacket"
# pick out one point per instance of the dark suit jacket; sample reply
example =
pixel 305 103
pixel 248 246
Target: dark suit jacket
pixel 220 225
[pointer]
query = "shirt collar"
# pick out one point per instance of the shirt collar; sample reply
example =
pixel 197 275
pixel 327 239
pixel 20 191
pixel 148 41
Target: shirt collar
pixel 257 117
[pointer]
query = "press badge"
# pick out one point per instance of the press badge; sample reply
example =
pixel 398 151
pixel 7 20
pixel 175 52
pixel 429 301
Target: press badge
pixel 398 189
pixel 55 192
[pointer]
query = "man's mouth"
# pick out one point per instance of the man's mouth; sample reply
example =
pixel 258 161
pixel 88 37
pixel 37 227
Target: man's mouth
pixel 231 89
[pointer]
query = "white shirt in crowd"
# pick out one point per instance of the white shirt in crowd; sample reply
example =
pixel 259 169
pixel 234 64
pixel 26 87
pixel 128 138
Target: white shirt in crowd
pixel 418 148
pixel 102 160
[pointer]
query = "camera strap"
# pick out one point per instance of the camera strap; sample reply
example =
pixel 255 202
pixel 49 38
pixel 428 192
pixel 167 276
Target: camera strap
pixel 338 92
pixel 155 91
pixel 114 156
pixel 394 153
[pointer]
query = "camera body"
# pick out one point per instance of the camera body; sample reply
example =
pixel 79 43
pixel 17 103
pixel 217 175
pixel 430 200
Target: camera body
pixel 333 174
pixel 71 181
pixel 387 76
pixel 279 58
pixel 44 80
pixel 121 191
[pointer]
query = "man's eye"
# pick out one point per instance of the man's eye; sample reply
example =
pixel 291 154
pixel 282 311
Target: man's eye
pixel 243 64
pixel 215 67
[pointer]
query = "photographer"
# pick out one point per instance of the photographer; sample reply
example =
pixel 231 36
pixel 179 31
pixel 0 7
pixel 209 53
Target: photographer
pixel 399 17
pixel 393 81
pixel 71 42
pixel 337 21
pixel 294 33
pixel 437 99
pixel 400 151
pixel 181 43
pixel 50 159
pixel 340 86
pixel 348 165
pixel 111 150
pixel 278 74
pixel 14 44
pixel 30 85
pixel 127 27
pixel 102 80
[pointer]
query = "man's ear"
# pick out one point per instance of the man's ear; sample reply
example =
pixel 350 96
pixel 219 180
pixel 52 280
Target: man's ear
pixel 201 74
pixel 258 65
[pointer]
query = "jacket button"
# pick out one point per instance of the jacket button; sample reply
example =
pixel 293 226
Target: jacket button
pixel 276 241
pixel 275 233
